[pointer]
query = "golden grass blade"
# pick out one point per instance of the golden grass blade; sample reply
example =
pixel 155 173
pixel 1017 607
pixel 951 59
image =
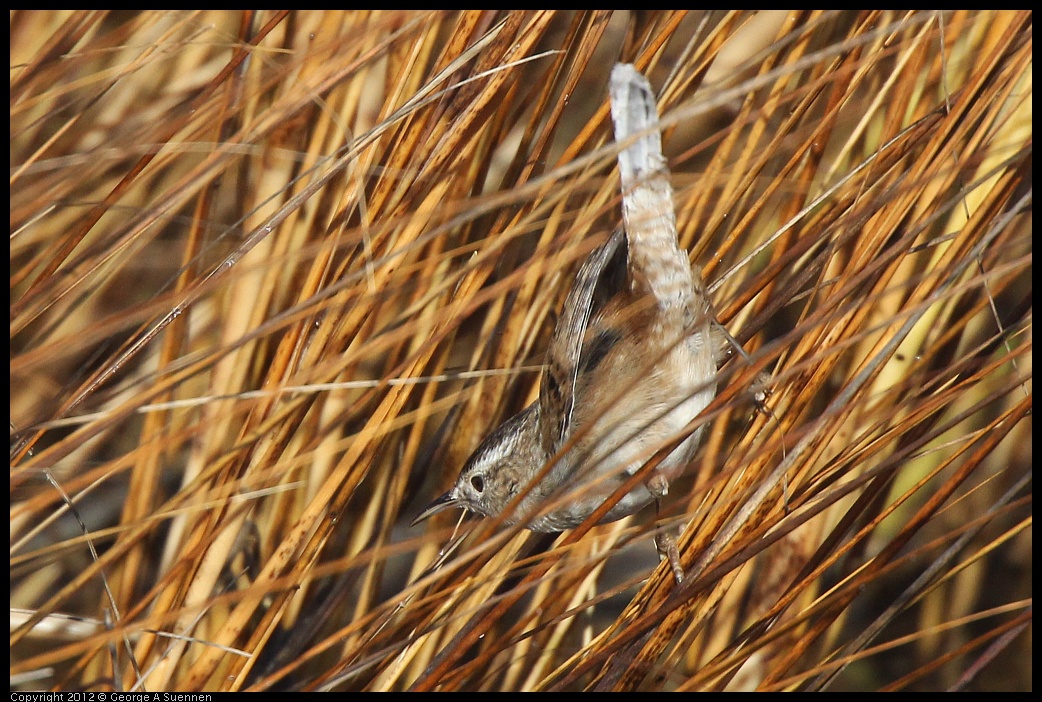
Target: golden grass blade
pixel 275 274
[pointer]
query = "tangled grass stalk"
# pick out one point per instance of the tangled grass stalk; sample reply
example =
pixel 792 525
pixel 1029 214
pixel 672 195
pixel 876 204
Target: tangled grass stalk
pixel 275 274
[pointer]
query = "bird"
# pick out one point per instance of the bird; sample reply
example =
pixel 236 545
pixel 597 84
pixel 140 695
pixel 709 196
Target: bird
pixel 632 361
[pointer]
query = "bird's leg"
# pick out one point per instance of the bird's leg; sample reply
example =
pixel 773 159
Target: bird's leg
pixel 724 345
pixel 664 542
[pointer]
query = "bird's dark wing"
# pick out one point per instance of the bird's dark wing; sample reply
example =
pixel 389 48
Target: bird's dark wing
pixel 570 353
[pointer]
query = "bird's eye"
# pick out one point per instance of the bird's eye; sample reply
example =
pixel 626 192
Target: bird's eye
pixel 478 483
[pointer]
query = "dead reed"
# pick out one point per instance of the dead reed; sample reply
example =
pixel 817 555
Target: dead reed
pixel 274 275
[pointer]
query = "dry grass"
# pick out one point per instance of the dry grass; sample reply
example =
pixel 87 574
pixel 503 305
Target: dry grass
pixel 273 276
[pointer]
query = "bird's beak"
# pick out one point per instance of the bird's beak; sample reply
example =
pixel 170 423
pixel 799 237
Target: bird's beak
pixel 444 502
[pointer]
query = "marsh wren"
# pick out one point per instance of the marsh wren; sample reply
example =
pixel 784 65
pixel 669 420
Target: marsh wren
pixel 632 361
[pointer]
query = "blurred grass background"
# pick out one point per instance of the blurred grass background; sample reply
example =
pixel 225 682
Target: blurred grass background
pixel 275 274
